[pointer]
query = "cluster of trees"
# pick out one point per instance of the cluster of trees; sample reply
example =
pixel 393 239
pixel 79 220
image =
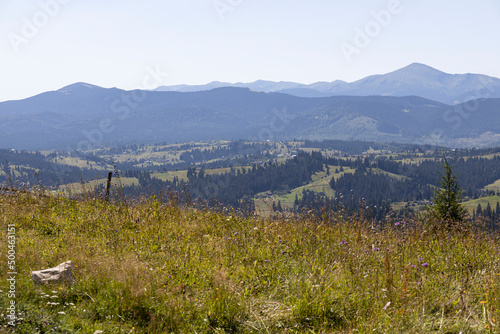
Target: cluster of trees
pixel 379 189
pixel 238 186
pixel 370 187
pixel 473 173
pixel 311 201
pixel 35 168
pixel 492 215
pixel 376 183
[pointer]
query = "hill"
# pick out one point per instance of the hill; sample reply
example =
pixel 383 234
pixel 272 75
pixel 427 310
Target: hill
pixel 83 117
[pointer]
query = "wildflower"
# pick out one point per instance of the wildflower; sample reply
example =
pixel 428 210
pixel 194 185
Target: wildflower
pixel 413 266
pixel 396 223
pixel 425 264
pixel 420 259
pixel 266 260
pixel 418 283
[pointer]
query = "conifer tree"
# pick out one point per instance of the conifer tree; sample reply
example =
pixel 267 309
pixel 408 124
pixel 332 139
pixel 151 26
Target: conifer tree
pixel 447 199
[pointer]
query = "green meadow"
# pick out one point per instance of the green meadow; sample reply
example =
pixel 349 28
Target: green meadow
pixel 156 267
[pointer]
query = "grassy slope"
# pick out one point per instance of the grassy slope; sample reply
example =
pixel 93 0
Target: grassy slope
pixel 151 268
pixel 472 205
pixel 81 163
pixel 171 155
pixel 79 188
pixel 320 183
pixel 182 174
pixel 495 186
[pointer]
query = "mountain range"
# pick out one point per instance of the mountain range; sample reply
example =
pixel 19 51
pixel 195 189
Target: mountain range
pixel 415 79
pixel 83 116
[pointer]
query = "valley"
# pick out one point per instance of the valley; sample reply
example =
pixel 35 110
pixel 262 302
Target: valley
pixel 399 177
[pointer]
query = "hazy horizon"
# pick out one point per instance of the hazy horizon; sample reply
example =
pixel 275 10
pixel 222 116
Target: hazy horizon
pixel 49 44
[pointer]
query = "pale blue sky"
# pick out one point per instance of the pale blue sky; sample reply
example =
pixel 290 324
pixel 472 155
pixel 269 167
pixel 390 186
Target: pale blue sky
pixel 111 43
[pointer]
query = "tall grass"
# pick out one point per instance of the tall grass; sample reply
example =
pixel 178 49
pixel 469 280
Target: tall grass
pixel 152 267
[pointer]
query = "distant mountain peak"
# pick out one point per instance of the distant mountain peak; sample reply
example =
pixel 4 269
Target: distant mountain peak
pixel 414 79
pixel 420 66
pixel 78 86
pixel 419 70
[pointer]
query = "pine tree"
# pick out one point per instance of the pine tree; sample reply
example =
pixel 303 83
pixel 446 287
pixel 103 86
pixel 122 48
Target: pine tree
pixel 479 209
pixel 488 212
pixel 447 198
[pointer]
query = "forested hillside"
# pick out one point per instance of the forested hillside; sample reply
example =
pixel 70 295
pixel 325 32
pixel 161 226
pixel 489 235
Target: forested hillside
pixel 256 176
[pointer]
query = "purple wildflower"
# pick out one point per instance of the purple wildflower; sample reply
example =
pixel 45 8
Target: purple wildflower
pixel 425 264
pixel 413 266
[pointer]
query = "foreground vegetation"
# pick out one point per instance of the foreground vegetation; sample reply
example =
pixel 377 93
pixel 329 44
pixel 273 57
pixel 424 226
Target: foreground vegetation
pixel 152 267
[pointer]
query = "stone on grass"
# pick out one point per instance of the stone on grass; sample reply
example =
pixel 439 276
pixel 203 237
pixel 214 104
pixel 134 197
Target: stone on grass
pixel 61 273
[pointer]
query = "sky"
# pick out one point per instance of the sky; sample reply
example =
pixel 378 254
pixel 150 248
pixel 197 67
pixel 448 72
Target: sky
pixel 130 44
